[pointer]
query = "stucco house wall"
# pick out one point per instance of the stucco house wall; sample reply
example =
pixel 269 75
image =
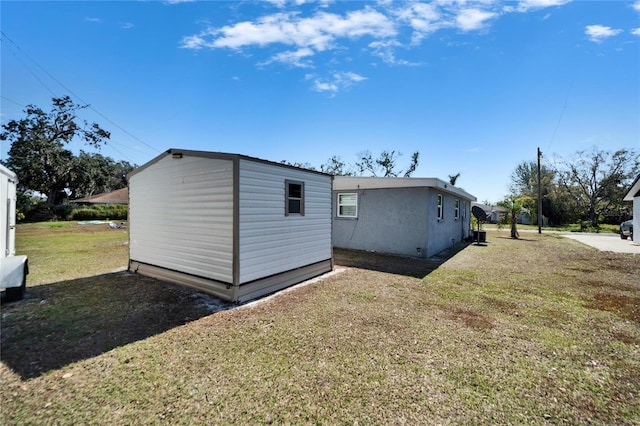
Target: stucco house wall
pixel 400 215
pixel 389 221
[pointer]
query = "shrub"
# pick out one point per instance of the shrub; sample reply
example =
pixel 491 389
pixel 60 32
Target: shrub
pixel 99 212
pixel 43 212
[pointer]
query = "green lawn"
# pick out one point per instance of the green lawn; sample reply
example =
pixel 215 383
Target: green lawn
pixel 541 330
pixel 65 250
pixel 575 227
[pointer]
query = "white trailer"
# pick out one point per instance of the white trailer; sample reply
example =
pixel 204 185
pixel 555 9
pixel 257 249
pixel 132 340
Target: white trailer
pixel 13 269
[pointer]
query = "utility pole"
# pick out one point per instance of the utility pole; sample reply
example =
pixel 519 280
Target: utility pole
pixel 539 194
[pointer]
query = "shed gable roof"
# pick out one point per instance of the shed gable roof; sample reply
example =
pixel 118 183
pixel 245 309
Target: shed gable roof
pixel 219 156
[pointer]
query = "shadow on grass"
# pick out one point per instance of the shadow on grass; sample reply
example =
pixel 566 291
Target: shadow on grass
pixel 61 323
pixel 381 262
pixel 517 239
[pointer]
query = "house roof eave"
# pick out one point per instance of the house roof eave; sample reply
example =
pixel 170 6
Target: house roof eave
pixel 341 183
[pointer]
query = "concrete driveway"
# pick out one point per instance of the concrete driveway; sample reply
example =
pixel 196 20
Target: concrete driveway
pixel 605 242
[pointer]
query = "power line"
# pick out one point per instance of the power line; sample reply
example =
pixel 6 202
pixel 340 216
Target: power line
pixel 27 67
pixel 70 91
pixel 12 101
pixel 564 107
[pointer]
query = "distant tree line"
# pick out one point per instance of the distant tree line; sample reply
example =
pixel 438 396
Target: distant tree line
pixel 384 165
pixel 587 187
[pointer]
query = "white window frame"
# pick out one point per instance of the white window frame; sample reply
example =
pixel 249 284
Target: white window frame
pixel 288 197
pixel 440 207
pixel 340 204
pixel 456 209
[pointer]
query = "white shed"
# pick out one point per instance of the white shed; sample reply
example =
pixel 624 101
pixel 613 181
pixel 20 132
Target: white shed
pixel 234 226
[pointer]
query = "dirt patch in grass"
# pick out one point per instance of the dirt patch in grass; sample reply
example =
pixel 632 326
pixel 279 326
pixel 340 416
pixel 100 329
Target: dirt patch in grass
pixel 503 306
pixel 623 305
pixel 471 318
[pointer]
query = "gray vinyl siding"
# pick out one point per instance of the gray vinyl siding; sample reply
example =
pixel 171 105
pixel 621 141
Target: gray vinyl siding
pixel 269 241
pixel 181 216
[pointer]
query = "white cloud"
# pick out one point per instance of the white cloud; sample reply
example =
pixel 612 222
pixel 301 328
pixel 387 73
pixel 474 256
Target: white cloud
pixel 336 83
pixel 90 19
pixel 294 58
pixel 277 3
pixel 350 77
pixel 127 25
pixel 318 32
pixel 424 19
pixel 531 5
pixel 193 42
pixel 385 50
pixel 472 19
pixel 635 31
pixel 321 86
pixel 178 1
pixel 283 3
pixel 636 6
pixel 597 33
pixel 298 38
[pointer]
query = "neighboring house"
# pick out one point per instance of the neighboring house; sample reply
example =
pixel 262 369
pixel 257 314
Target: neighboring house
pixel 495 214
pixel 119 196
pixel 633 194
pixel 417 217
pixel 230 225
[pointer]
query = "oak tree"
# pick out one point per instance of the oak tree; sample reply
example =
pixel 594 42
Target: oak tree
pixel 38 155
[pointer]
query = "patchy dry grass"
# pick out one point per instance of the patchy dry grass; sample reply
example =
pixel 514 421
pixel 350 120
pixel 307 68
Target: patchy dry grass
pixel 540 330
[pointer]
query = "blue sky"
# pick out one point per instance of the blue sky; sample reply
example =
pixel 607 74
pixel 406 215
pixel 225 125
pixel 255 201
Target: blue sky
pixel 475 87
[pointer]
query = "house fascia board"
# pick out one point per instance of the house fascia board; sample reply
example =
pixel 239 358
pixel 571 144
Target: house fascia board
pixel 342 183
pixel 218 156
pixel 634 190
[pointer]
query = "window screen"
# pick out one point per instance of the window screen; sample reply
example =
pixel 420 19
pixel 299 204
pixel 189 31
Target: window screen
pixel 294 198
pixel 348 205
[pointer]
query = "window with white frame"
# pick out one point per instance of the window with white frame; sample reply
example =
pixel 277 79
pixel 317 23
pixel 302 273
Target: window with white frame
pixel 440 207
pixel 294 198
pixel 456 209
pixel 348 205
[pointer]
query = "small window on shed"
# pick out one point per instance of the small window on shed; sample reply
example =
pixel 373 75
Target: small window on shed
pixel 294 198
pixel 348 205
pixel 440 207
pixel 456 209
